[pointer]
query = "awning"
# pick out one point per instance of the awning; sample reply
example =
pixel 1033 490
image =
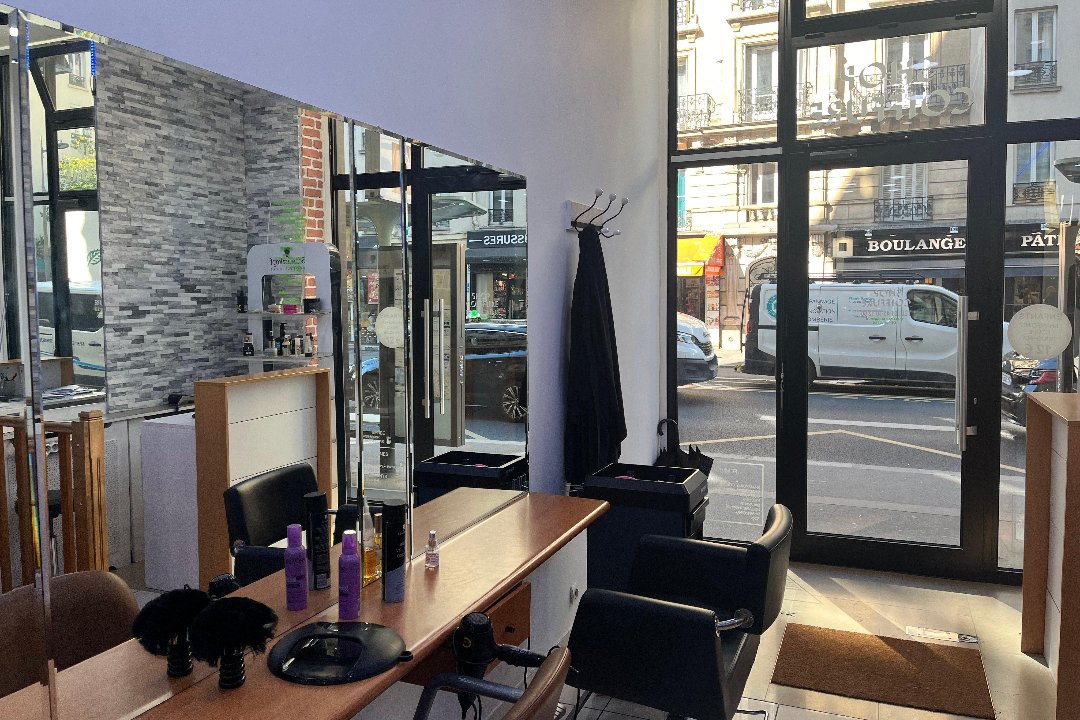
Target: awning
pixel 693 253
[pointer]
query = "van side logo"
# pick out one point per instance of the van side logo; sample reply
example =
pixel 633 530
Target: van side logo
pixel 770 307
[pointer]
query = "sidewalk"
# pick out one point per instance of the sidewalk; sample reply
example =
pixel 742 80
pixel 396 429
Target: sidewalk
pixel 729 357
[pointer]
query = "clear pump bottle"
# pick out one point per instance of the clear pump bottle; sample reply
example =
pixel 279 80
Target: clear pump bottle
pixel 431 554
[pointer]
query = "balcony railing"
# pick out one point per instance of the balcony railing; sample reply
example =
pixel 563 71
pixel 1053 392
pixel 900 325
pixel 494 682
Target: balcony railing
pixel 1034 192
pixel 683 12
pixel 751 5
pixel 1042 73
pixel 765 214
pixel 904 209
pixel 903 86
pixel 760 104
pixel 498 216
pixel 695 111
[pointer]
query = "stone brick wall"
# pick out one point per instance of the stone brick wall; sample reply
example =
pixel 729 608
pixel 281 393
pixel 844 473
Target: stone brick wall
pixel 187 162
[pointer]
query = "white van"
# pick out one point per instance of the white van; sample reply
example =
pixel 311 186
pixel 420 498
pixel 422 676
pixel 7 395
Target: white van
pixel 873 331
pixel 87 327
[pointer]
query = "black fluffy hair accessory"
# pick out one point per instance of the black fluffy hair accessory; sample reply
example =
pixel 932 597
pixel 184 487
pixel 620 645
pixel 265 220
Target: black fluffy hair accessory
pixel 230 626
pixel 168 617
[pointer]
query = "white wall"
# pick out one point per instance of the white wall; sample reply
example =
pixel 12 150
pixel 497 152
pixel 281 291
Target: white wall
pixel 570 94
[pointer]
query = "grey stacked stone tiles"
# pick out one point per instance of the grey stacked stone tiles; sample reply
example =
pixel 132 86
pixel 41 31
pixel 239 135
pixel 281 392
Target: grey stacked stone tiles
pixel 181 176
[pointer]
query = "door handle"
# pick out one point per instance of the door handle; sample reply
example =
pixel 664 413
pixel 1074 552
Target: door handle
pixel 426 312
pixel 877 338
pixel 913 338
pixel 442 354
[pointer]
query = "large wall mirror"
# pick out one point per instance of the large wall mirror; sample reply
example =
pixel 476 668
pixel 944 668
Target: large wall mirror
pixel 173 238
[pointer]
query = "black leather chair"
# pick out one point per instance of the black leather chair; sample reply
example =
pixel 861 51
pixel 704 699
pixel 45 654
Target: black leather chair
pixel 683 639
pixel 259 511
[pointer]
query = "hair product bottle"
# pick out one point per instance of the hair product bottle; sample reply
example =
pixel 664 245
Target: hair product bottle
pixel 318 536
pixel 349 578
pixel 249 345
pixel 431 554
pixel 296 583
pixel 394 550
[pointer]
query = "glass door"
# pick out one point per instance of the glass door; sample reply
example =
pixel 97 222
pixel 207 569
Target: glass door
pixel 470 307
pixel 901 350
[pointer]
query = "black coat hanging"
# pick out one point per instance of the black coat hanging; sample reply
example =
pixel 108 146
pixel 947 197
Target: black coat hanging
pixel 595 420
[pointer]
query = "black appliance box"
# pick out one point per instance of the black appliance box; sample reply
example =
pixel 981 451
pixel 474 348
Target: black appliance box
pixel 645 500
pixel 461 468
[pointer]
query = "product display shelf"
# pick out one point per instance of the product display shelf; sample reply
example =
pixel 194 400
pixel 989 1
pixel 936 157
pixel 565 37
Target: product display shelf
pixel 284 359
pixel 270 314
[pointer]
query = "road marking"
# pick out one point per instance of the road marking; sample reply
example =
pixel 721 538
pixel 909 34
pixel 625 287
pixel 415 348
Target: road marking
pixel 838 432
pixel 870 424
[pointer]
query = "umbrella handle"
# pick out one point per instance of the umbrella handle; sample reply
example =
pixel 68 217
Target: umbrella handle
pixel 672 434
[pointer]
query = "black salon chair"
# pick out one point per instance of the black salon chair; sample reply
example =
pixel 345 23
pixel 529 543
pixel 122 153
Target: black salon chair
pixel 684 637
pixel 259 511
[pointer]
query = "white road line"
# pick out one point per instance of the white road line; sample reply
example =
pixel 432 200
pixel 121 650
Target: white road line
pixel 869 424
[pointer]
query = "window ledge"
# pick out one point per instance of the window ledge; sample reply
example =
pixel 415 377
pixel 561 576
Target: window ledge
pixel 1036 89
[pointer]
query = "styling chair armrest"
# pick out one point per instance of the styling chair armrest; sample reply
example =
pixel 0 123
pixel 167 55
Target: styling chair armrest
pixel 652 652
pixel 254 562
pixel 690 572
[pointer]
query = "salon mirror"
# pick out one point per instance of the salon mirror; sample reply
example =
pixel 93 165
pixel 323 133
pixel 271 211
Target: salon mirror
pixel 183 230
pixel 28 514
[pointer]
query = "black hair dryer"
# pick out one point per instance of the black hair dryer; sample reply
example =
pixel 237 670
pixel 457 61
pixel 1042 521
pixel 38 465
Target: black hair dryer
pixel 475 648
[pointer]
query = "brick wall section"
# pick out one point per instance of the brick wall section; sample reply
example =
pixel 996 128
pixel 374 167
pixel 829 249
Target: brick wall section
pixel 314 183
pixel 181 178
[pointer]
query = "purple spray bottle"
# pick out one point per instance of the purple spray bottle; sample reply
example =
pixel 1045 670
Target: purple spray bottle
pixel 348 578
pixel 296 585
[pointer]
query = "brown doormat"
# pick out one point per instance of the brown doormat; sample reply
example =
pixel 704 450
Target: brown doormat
pixel 943 678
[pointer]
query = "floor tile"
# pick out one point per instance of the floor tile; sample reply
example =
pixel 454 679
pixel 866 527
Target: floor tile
pixel 586 713
pixel 623 708
pixel 1021 687
pixel 822 702
pixel 597 701
pixel 786 712
pixel 896 712
pixel 893 620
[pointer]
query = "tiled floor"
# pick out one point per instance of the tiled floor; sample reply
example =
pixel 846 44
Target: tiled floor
pixel 885 604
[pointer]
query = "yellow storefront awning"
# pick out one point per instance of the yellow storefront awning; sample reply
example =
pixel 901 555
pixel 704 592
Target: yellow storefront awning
pixel 693 253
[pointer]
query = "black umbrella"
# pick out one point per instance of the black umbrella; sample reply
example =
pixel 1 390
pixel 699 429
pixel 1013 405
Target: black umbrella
pixel 674 456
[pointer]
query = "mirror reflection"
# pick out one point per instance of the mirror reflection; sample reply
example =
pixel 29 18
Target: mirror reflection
pixel 238 295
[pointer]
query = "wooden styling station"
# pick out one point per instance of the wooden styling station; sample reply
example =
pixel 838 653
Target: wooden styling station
pixel 1050 624
pixel 483 568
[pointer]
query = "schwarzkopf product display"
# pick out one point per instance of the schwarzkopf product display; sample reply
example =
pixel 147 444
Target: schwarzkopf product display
pixel 317 516
pixel 394 550
pixel 296 582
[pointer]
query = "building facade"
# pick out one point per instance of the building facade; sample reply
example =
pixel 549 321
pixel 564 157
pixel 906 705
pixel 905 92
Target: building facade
pixel 887 223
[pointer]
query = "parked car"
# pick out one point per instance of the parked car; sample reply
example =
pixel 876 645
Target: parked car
pixel 1020 376
pixel 495 369
pixel 870 331
pixel 696 359
pixel 87 327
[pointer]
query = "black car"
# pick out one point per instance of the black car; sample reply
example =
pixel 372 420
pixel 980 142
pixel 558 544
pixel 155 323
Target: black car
pixel 1020 376
pixel 495 369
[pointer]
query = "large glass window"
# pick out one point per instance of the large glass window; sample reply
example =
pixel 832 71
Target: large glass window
pixel 1037 90
pixel 727 72
pixel 1040 254
pixel 892 85
pixel 726 337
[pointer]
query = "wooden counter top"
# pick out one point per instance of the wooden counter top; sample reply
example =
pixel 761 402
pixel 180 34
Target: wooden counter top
pixel 1065 406
pixel 477 567
pixel 262 376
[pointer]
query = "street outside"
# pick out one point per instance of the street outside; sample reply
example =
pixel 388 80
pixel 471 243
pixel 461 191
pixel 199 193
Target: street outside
pixel 883 460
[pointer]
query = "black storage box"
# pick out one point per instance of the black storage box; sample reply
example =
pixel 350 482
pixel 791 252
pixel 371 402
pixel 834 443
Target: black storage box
pixel 460 468
pixel 645 500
